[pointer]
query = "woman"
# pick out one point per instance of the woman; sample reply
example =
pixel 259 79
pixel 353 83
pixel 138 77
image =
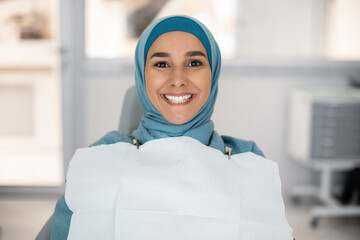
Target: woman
pixel 177 70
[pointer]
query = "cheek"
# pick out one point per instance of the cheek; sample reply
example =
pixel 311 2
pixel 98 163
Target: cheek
pixel 149 82
pixel 205 85
pixel 153 82
pixel 207 91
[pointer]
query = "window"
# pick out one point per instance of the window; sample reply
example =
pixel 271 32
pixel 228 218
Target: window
pixel 343 30
pixel 30 103
pixel 114 26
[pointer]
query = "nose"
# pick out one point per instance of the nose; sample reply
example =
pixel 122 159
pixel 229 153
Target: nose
pixel 178 77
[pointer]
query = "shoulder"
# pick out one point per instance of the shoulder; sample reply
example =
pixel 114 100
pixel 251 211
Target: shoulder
pixel 240 146
pixel 112 137
pixel 61 220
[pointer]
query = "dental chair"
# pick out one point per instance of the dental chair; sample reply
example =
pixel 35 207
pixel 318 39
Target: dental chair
pixel 130 118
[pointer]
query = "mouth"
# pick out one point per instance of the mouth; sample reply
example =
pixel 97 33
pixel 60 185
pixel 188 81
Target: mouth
pixel 178 99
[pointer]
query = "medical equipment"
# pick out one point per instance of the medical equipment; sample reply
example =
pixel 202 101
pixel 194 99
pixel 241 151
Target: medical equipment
pixel 324 135
pixel 325 125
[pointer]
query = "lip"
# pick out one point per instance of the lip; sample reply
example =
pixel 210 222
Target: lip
pixel 177 94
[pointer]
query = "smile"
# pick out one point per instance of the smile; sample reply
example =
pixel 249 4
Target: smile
pixel 184 99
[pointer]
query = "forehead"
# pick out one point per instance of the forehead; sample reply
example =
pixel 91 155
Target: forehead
pixel 177 40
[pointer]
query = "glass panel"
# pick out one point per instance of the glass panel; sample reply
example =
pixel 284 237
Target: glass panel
pixel 113 27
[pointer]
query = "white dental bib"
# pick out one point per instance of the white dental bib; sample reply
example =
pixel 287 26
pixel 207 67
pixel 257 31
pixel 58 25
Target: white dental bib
pixel 173 189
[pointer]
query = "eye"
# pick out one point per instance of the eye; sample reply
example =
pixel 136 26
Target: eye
pixel 161 64
pixel 194 63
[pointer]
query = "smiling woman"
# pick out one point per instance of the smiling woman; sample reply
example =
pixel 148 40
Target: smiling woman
pixel 178 181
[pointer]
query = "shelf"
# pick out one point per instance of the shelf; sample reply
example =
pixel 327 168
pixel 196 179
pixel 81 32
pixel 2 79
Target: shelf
pixel 334 165
pixel 29 54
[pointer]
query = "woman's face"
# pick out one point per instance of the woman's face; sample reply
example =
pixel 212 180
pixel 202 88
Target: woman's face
pixel 177 76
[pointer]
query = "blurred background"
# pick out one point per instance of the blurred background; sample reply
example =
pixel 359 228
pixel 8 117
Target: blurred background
pixel 290 81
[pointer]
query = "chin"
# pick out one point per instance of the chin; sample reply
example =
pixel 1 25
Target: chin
pixel 178 120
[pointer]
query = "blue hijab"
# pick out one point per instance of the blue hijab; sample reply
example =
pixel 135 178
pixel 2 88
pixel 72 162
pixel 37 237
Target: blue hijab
pixel 153 124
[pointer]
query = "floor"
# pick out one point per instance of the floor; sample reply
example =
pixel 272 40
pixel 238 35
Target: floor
pixel 298 215
pixel 22 218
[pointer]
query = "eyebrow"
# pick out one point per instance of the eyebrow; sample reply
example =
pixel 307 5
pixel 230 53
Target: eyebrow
pixel 195 53
pixel 160 54
pixel 188 54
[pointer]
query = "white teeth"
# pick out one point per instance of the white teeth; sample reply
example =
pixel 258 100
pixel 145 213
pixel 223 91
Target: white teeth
pixel 178 99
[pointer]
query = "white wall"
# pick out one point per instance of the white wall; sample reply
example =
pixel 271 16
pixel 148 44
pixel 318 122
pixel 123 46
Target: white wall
pixel 104 98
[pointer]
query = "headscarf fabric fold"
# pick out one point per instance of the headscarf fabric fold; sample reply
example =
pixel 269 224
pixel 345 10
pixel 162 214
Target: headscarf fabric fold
pixel 153 124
